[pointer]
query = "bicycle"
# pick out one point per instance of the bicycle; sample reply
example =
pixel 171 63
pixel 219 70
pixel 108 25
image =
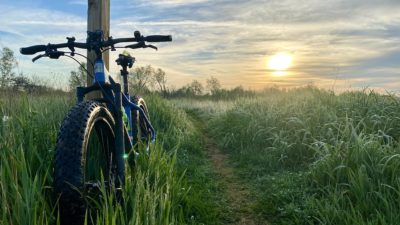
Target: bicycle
pixel 97 135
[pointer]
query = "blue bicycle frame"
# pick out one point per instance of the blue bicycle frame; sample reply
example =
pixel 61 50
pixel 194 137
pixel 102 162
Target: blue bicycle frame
pixel 106 84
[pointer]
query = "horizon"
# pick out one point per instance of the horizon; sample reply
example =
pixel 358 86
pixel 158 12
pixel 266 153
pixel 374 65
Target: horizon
pixel 333 44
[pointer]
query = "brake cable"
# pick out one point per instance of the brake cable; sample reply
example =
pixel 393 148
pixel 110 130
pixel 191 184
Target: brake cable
pixel 80 64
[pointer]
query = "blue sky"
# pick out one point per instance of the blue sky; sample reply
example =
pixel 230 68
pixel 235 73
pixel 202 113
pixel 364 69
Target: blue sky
pixel 337 44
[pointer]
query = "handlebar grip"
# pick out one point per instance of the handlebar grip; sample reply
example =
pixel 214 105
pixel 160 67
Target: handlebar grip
pixel 158 38
pixel 32 49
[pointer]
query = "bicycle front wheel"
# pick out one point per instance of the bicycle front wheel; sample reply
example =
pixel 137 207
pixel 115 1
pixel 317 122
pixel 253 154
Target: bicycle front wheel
pixel 85 157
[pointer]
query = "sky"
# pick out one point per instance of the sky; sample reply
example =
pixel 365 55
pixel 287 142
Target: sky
pixel 334 44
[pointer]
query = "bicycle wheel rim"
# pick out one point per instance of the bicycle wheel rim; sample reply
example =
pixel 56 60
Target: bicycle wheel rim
pixel 144 130
pixel 99 153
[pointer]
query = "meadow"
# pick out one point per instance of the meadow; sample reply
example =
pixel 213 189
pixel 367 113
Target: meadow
pixel 172 185
pixel 308 156
pixel 312 157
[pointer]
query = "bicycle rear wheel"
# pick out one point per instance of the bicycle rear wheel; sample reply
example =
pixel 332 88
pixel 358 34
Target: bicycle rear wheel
pixel 85 157
pixel 141 128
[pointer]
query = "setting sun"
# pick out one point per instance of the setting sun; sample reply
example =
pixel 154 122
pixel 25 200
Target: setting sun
pixel 280 62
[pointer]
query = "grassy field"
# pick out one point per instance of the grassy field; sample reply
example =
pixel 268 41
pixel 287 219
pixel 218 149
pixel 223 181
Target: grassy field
pixel 313 157
pixel 308 156
pixel 173 185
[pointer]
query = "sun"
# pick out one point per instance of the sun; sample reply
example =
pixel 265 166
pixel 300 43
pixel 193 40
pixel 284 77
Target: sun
pixel 280 62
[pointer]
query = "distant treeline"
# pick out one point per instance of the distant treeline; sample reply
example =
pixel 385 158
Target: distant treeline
pixel 12 82
pixel 147 79
pixel 142 80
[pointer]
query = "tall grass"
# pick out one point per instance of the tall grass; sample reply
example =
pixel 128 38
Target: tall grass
pixel 204 107
pixel 163 187
pixel 27 135
pixel 204 202
pixel 314 157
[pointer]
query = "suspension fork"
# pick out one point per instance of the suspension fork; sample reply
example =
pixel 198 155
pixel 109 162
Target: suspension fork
pixel 114 103
pixel 119 136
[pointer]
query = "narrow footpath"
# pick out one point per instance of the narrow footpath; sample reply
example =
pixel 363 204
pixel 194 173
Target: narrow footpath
pixel 237 194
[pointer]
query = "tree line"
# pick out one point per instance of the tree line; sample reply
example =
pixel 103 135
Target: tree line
pixel 147 79
pixel 10 80
pixel 142 80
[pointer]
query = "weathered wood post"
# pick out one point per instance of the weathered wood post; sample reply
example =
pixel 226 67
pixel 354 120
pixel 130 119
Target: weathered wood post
pixel 98 19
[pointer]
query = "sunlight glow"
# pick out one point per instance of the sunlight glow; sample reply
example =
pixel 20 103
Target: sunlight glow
pixel 280 62
pixel 279 73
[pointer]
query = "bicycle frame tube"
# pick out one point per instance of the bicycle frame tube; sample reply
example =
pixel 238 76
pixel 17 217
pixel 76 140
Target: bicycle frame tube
pixel 128 107
pixel 100 79
pixel 131 106
pixel 99 71
pixel 130 121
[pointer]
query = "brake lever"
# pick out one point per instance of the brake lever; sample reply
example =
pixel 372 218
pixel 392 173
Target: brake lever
pixel 134 46
pixel 141 45
pixel 151 46
pixel 52 54
pixel 38 57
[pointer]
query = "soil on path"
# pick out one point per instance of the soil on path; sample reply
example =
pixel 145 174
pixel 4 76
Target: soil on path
pixel 237 195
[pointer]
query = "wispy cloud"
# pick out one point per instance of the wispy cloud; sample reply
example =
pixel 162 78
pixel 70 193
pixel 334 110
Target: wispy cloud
pixel 347 43
pixel 30 26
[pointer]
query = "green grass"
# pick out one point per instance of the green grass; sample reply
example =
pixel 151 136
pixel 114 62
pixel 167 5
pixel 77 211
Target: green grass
pixel 313 157
pixel 172 185
pixel 308 155
pixel 203 203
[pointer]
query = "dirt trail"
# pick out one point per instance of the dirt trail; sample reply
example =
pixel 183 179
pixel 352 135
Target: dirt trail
pixel 240 204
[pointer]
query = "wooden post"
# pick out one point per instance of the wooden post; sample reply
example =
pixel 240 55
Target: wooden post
pixel 98 19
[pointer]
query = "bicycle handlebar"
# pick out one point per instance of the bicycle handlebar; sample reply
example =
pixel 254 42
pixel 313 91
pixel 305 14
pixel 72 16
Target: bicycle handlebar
pixel 103 44
pixel 158 38
pixel 32 49
pixel 41 48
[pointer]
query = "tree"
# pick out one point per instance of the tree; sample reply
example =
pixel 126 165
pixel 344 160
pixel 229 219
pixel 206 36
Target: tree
pixel 197 87
pixel 142 77
pixel 21 82
pixel 160 80
pixel 7 64
pixel 78 78
pixel 213 85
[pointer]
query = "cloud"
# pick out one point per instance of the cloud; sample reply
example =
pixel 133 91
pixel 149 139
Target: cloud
pixel 31 26
pixel 166 3
pixel 351 41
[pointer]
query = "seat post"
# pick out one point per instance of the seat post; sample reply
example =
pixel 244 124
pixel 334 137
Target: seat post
pixel 124 74
pixel 125 61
